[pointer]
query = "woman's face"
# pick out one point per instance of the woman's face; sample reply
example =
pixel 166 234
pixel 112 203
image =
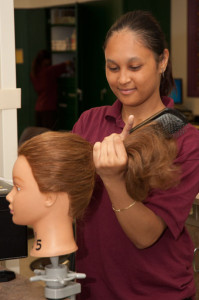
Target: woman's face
pixel 131 69
pixel 27 203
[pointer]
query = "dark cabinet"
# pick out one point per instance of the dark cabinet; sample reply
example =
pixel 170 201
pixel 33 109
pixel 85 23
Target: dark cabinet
pixel 63 47
pixel 160 9
pixel 80 40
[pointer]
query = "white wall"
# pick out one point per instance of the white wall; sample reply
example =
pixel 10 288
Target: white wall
pixel 179 49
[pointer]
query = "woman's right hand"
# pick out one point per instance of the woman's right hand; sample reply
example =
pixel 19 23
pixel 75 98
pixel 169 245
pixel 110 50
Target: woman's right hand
pixel 110 157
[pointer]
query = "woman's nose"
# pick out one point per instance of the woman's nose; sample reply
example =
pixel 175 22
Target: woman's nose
pixel 124 77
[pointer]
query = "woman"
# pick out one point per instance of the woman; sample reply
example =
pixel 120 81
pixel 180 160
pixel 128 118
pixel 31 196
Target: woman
pixel 130 249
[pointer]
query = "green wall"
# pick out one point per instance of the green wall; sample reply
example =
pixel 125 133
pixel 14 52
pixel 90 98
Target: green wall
pixel 30 36
pixel 159 8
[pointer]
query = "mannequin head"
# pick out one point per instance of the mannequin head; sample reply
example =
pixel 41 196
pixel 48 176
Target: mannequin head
pixel 53 180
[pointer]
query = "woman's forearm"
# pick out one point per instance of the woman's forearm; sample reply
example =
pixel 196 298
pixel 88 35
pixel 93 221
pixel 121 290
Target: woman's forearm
pixel 142 226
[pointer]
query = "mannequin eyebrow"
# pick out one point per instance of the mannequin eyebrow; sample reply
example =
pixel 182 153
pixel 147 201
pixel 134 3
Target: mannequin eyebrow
pixel 17 179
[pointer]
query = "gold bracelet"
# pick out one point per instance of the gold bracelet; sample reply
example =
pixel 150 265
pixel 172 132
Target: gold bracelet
pixel 122 209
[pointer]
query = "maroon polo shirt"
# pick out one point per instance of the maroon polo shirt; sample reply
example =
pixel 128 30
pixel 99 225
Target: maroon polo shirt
pixel 115 268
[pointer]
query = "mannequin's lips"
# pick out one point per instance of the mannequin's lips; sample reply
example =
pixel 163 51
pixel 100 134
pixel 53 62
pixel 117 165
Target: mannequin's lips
pixel 11 211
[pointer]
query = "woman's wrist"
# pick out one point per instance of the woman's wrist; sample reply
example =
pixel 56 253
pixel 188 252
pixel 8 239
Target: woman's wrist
pixel 124 208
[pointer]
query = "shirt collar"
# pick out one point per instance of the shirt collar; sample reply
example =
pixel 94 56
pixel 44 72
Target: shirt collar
pixel 114 111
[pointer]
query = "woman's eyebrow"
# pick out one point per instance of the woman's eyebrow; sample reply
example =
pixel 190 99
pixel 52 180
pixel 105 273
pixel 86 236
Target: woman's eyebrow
pixel 131 59
pixel 134 58
pixel 110 61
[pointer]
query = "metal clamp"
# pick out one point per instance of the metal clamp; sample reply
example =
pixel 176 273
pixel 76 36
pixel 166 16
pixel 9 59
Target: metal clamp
pixel 194 260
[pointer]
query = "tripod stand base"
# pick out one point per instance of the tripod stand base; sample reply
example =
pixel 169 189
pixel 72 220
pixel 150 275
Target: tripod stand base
pixel 68 291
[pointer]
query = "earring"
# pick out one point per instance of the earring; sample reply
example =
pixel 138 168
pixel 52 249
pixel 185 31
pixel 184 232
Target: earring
pixel 162 74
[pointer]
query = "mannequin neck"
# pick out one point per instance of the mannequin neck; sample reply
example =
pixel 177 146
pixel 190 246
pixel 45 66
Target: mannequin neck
pixel 53 233
pixel 53 240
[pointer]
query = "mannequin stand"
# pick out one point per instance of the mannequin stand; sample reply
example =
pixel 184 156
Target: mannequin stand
pixel 59 280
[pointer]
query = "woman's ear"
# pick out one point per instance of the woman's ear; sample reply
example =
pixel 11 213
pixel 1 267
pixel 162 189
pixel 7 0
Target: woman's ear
pixel 164 60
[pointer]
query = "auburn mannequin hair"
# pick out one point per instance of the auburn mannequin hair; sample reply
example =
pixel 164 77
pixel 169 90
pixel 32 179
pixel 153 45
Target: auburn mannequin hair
pixel 151 153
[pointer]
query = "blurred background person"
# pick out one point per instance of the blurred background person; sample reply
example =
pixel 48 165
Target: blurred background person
pixel 44 77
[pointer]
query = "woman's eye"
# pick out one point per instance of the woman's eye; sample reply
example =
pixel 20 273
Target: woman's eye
pixel 135 68
pixel 113 68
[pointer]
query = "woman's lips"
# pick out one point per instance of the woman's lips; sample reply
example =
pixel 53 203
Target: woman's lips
pixel 127 91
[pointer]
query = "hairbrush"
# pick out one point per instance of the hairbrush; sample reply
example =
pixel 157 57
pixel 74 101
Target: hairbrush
pixel 170 120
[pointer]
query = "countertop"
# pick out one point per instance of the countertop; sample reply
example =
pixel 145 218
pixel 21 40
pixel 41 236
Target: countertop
pixel 21 289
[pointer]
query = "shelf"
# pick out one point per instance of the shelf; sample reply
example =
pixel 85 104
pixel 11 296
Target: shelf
pixel 63 25
pixel 63 52
pixel 63 16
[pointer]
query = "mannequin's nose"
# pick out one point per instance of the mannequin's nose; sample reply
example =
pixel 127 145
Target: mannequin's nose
pixel 9 196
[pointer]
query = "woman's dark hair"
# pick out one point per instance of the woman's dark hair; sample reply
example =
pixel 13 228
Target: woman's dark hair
pixel 152 37
pixel 37 62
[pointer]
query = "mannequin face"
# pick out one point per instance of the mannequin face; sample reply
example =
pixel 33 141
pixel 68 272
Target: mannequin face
pixel 27 203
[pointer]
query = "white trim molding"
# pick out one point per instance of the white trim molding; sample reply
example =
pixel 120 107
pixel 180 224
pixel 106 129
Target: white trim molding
pixel 10 98
pixel 28 4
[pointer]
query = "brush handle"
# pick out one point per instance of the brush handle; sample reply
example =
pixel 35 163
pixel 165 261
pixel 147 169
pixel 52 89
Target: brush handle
pixel 152 118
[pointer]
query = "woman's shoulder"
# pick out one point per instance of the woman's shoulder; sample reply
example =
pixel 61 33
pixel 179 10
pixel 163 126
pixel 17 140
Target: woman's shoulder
pixel 90 119
pixel 96 110
pixel 94 114
pixel 101 112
